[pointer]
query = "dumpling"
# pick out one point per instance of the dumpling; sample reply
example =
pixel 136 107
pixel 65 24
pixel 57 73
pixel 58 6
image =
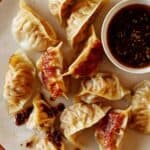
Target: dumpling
pixel 31 31
pixel 87 62
pixel 43 116
pixel 140 112
pixel 61 9
pixel 80 116
pixel 50 66
pixel 81 16
pixel 110 130
pixel 102 85
pixel 19 82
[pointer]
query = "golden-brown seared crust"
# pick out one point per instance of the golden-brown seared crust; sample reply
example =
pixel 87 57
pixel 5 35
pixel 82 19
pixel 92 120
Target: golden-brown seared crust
pixel 31 31
pixel 50 67
pixel 110 130
pixel 87 62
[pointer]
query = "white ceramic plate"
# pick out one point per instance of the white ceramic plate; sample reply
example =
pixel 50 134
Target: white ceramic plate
pixel 11 137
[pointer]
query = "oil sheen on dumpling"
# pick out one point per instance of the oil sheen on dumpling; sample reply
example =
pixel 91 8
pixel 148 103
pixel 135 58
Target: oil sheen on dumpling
pixel 43 116
pixel 87 62
pixel 110 130
pixel 19 82
pixel 80 116
pixel 140 114
pixel 61 8
pixel 31 31
pixel 82 13
pixel 102 85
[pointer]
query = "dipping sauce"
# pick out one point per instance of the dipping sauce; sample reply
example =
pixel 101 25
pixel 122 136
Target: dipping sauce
pixel 129 36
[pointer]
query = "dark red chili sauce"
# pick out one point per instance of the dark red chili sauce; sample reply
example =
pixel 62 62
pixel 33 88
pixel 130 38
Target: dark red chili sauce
pixel 109 128
pixel 129 36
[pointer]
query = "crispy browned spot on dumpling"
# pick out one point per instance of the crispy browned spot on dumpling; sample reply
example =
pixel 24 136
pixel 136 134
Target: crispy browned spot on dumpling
pixel 50 67
pixel 80 116
pixel 140 114
pixel 87 62
pixel 31 31
pixel 110 130
pixel 19 82
pixel 103 85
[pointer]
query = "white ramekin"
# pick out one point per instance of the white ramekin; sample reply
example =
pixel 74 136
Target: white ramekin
pixel 108 18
